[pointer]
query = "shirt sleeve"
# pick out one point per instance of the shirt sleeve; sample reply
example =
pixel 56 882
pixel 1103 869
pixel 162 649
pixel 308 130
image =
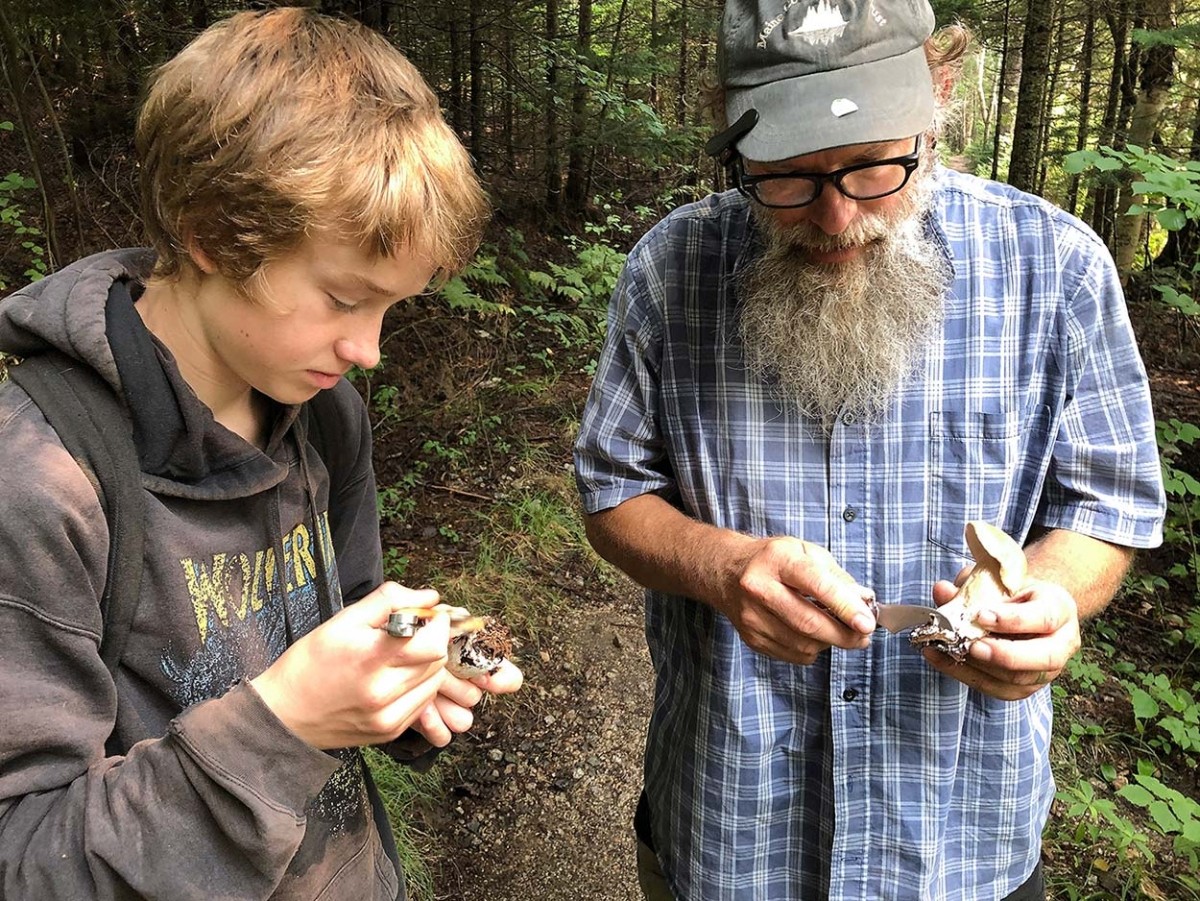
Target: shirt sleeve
pixel 1104 479
pixel 620 452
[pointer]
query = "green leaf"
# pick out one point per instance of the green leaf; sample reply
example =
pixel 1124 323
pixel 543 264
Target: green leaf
pixel 1163 818
pixel 1136 795
pixel 1144 706
pixel 1079 161
pixel 1171 219
pixel 6 126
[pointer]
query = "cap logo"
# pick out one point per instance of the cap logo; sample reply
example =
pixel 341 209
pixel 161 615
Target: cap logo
pixel 843 106
pixel 823 24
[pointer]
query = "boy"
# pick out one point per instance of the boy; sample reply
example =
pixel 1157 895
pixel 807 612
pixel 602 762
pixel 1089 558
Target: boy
pixel 297 180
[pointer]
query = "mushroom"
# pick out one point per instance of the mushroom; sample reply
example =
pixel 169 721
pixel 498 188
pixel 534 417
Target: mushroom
pixel 998 574
pixel 478 651
pixel 478 644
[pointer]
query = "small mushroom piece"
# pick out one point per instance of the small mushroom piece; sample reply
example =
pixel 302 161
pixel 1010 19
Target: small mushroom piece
pixel 480 649
pixel 999 573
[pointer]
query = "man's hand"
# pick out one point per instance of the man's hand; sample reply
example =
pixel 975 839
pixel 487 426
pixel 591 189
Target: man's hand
pixel 792 601
pixel 1032 638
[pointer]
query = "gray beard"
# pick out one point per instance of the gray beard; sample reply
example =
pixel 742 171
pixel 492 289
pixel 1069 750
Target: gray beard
pixel 840 339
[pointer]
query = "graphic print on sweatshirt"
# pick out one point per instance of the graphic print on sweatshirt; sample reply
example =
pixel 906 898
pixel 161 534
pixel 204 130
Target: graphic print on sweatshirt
pixel 242 615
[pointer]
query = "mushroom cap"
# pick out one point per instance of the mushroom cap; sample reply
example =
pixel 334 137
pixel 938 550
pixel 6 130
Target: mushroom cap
pixel 990 544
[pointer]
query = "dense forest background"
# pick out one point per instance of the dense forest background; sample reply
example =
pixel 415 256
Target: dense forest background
pixel 585 120
pixel 566 100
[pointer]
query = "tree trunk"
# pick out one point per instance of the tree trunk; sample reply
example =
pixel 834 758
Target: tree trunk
pixel 507 104
pixel 654 50
pixel 613 56
pixel 1099 207
pixel 11 64
pixel 1157 76
pixel 1059 44
pixel 553 164
pixel 1001 78
pixel 683 82
pixel 1182 249
pixel 576 156
pixel 1035 70
pixel 456 75
pixel 1085 97
pixel 477 90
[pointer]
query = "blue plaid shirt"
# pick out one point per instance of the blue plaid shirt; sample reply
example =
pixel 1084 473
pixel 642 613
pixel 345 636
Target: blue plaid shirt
pixel 867 775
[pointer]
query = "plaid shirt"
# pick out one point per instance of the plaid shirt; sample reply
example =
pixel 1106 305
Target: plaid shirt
pixel 867 775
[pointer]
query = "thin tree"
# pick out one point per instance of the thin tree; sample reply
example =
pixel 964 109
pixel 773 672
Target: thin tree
pixel 14 78
pixel 1001 80
pixel 553 164
pixel 1085 99
pixel 1157 77
pixel 477 90
pixel 576 160
pixel 1027 125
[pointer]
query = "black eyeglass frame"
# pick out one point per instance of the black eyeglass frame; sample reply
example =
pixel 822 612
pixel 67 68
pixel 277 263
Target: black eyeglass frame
pixel 745 183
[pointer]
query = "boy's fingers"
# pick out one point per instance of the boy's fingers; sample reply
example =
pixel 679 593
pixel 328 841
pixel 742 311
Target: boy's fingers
pixel 460 691
pixel 507 679
pixel 427 645
pixel 389 597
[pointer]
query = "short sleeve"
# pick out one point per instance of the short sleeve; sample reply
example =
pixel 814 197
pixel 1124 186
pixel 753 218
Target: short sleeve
pixel 620 452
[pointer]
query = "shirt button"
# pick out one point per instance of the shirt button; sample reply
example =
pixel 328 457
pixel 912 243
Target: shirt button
pixel 849 514
pixel 849 694
pixel 848 419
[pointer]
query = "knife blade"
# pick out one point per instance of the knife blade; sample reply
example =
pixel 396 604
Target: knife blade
pixel 898 617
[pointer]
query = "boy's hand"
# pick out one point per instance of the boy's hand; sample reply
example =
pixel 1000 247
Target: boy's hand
pixel 450 710
pixel 350 683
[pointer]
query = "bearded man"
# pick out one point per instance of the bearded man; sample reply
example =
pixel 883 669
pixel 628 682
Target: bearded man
pixel 809 386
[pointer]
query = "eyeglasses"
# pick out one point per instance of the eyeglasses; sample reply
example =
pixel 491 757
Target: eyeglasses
pixel 863 181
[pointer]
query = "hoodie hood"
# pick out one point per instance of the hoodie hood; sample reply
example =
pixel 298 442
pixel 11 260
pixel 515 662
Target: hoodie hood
pixel 86 311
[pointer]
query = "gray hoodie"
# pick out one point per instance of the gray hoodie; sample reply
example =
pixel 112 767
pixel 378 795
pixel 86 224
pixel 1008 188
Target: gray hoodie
pixel 213 797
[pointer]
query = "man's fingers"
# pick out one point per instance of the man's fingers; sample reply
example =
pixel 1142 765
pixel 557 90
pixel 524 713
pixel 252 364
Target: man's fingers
pixel 815 575
pixel 944 592
pixel 1012 658
pixel 1006 685
pixel 788 617
pixel 1041 611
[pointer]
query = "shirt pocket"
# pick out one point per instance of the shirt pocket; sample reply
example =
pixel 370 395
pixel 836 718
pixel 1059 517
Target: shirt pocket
pixel 977 472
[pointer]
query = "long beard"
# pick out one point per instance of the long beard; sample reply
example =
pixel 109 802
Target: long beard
pixel 841 338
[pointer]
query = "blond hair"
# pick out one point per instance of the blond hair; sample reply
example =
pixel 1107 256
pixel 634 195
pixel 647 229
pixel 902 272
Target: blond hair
pixel 272 126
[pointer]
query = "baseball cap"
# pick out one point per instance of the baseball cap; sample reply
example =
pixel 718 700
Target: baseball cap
pixel 825 73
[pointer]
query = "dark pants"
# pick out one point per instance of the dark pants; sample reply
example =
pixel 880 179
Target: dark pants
pixel 654 883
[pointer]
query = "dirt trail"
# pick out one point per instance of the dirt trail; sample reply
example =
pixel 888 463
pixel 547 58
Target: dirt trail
pixel 547 782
